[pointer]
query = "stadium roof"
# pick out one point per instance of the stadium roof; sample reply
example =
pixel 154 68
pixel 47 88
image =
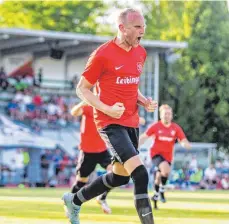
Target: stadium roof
pixel 15 40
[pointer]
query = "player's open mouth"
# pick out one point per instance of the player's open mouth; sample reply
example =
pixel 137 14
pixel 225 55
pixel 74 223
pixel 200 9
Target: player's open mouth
pixel 139 38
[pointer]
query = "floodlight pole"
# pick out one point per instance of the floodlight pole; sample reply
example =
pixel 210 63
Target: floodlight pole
pixel 156 83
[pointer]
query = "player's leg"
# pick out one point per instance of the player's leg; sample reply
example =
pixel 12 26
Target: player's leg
pixel 165 170
pixel 105 162
pixel 124 151
pixel 157 160
pixel 100 185
pixel 103 183
pixel 123 144
pixel 157 182
pixel 86 165
pixel 109 180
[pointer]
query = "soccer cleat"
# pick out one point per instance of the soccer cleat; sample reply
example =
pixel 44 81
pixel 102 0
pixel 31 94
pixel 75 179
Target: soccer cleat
pixel 155 199
pixel 72 211
pixel 105 207
pixel 162 197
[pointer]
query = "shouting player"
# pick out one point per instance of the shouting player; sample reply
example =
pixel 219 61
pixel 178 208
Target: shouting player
pixel 115 69
pixel 165 133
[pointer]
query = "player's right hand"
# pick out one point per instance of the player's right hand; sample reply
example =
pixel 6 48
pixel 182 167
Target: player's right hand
pixel 116 111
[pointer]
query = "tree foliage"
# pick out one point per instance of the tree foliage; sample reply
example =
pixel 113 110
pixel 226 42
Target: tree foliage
pixel 169 20
pixel 206 60
pixel 71 16
pixel 197 85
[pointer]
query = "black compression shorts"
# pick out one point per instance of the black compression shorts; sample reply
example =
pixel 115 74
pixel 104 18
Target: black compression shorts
pixel 122 141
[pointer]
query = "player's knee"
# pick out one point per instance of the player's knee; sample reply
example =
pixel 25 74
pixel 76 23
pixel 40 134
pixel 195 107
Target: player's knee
pixel 82 179
pixel 114 180
pixel 141 179
pixel 165 174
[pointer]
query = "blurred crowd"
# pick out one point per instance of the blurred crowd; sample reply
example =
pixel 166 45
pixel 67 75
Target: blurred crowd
pixel 59 169
pixel 39 111
pixel 56 168
pixel 19 82
pixel 192 176
pixel 54 110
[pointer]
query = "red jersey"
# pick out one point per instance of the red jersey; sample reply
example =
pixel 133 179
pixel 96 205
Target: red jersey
pixel 165 138
pixel 117 74
pixel 91 142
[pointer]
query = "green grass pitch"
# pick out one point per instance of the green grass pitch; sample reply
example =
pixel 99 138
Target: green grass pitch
pixel 44 206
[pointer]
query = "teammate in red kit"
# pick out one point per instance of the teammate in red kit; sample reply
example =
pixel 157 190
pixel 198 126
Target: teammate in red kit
pixel 115 69
pixel 93 151
pixel 165 133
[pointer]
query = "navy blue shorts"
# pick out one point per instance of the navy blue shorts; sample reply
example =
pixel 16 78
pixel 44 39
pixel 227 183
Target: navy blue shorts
pixel 122 141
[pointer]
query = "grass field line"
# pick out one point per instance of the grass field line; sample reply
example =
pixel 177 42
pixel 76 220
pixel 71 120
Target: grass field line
pixel 196 206
pixel 126 203
pixel 55 193
pixel 199 195
pixel 35 199
pixel 7 220
pixel 129 202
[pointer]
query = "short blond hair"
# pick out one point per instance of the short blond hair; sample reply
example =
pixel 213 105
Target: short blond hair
pixel 122 15
pixel 165 106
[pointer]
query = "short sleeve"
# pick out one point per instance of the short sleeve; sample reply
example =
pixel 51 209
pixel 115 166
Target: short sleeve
pixel 86 110
pixel 94 68
pixel 151 130
pixel 180 133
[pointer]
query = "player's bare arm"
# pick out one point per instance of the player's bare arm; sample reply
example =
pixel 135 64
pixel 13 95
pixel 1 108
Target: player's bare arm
pixel 143 137
pixel 149 104
pixel 77 111
pixel 185 143
pixel 83 90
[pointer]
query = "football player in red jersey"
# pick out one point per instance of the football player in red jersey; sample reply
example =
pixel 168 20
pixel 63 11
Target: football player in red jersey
pixel 165 133
pixel 115 68
pixel 93 151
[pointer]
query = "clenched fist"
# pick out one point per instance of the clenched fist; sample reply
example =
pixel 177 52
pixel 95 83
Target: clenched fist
pixel 115 111
pixel 151 105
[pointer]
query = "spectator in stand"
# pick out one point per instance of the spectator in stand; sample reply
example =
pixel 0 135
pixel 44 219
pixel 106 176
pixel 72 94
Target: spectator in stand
pixel 225 182
pixel 57 158
pixel 66 168
pixel 53 181
pixel 18 163
pixel 218 164
pixel 3 79
pixel 210 177
pixel 2 74
pixel 45 168
pixel 21 85
pixel 37 100
pixel 13 109
pixel 28 80
pixel 53 110
pixel 27 98
pixel 196 177
pixel 226 162
pixel 193 164
pixel 74 81
pixel 26 161
pixel 40 76
pixel 18 96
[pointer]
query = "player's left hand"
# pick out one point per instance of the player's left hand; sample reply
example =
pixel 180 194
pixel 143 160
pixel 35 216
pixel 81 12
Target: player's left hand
pixel 150 105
